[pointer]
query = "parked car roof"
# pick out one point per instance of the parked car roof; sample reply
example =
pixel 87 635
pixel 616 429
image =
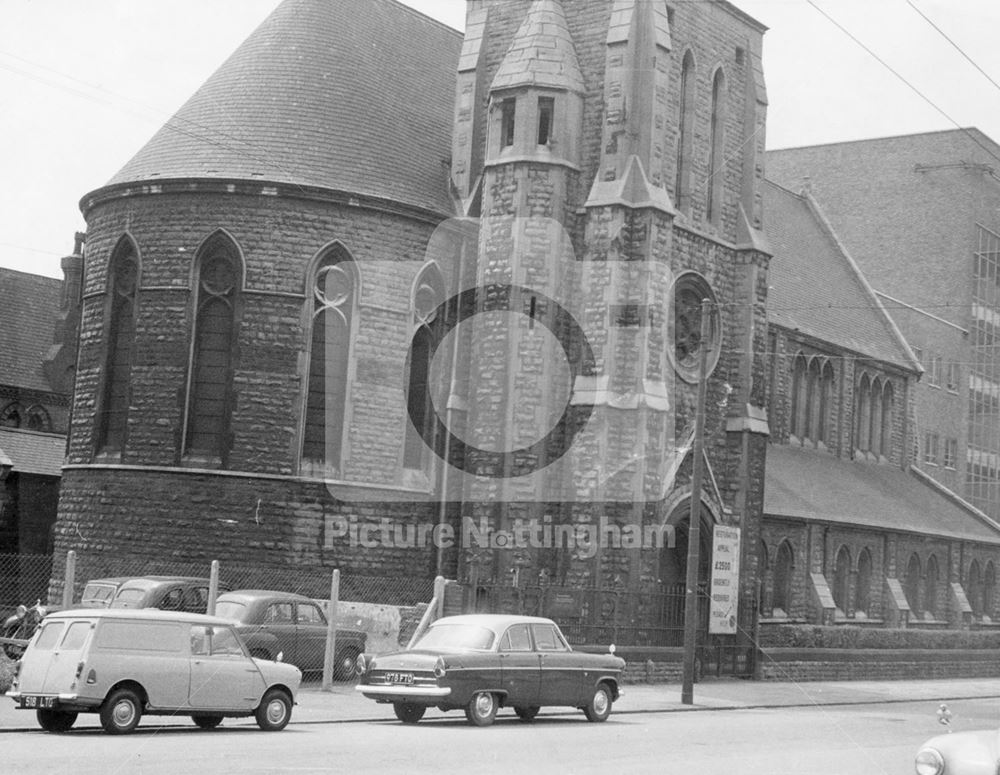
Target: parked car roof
pixel 155 614
pixel 244 595
pixel 496 622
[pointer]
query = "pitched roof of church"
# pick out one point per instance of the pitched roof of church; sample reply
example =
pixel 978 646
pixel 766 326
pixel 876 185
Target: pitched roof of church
pixel 340 94
pixel 817 289
pixel 875 495
pixel 29 307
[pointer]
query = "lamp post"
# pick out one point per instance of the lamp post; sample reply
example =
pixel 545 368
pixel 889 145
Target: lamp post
pixel 694 520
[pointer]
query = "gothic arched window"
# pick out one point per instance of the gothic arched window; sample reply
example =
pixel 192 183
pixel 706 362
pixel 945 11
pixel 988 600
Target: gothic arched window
pixel 912 585
pixel 974 588
pixel 427 297
pixel 863 591
pixel 800 396
pixel 888 406
pixel 685 134
pixel 123 290
pixel 218 289
pixel 783 567
pixel 332 301
pixel 862 408
pixel 989 590
pixel 716 158
pixel 842 580
pixel 931 587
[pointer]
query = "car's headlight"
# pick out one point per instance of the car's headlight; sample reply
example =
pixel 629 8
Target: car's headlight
pixel 361 665
pixel 929 762
pixel 439 668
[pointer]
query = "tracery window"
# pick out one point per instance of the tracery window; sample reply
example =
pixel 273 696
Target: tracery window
pixel 219 281
pixel 428 317
pixel 332 309
pixel 690 289
pixel 863 591
pixel 783 568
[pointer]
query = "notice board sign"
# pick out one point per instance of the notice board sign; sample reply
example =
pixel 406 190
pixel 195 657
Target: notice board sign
pixel 724 591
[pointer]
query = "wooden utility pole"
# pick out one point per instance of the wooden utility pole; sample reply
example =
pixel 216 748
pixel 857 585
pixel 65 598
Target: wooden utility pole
pixel 694 520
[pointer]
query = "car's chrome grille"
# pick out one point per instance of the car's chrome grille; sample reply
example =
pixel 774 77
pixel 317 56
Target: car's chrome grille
pixel 401 678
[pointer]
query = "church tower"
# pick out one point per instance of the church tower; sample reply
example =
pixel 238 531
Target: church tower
pixel 613 154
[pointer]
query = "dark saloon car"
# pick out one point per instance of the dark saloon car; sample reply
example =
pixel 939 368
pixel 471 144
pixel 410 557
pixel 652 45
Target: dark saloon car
pixel 168 593
pixel 273 623
pixel 482 662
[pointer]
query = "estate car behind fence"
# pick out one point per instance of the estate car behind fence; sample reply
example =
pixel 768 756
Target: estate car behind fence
pixel 123 664
pixel 482 662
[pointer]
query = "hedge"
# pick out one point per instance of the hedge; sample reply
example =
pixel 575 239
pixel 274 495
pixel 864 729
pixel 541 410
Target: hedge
pixel 846 637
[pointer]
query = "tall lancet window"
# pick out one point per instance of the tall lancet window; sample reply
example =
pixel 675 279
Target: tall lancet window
pixel 218 290
pixel 123 288
pixel 716 158
pixel 428 317
pixel 685 134
pixel 332 307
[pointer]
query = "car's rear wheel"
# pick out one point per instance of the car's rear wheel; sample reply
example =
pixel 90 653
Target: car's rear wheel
pixel 527 714
pixel 599 707
pixel 121 712
pixel 408 712
pixel 274 711
pixel 482 709
pixel 55 720
pixel 207 721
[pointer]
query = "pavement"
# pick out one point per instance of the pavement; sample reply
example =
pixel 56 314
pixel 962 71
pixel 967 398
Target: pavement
pixel 342 704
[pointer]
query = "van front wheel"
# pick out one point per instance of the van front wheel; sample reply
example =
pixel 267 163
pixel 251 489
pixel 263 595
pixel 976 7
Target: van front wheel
pixel 274 711
pixel 121 712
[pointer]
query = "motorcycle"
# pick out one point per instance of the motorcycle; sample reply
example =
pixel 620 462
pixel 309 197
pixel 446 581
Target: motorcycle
pixel 20 626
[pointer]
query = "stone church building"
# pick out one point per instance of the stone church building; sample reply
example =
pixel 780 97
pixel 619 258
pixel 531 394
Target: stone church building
pixel 392 299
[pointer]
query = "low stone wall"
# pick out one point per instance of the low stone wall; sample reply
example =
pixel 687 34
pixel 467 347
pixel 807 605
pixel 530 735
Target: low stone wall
pixel 781 664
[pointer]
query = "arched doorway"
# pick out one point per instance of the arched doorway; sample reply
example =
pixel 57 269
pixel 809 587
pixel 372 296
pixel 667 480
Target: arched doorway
pixel 673 572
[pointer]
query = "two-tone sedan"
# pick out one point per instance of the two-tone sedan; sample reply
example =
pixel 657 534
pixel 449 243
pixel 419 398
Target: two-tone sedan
pixel 482 662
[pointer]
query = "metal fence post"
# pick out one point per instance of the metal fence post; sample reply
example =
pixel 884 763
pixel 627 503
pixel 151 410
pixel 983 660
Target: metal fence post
pixel 69 580
pixel 213 588
pixel 439 584
pixel 331 632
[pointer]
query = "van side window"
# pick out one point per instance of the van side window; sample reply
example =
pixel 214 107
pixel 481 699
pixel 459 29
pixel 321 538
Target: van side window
pixel 199 640
pixel 126 635
pixel 76 636
pixel 49 636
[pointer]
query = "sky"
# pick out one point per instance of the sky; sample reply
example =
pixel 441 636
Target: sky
pixel 85 83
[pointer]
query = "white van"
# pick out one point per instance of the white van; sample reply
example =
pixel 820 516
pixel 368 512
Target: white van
pixel 125 663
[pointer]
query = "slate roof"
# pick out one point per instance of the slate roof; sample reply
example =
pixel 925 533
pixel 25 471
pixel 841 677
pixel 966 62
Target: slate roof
pixel 29 306
pixel 815 485
pixel 341 94
pixel 817 289
pixel 32 452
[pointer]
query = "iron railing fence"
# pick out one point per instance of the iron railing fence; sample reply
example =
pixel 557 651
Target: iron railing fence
pixel 652 616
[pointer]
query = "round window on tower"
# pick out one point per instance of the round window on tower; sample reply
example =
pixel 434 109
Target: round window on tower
pixel 686 343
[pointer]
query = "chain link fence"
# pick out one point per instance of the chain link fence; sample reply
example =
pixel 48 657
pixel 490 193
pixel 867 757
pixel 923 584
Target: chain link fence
pixel 24 578
pixel 312 581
